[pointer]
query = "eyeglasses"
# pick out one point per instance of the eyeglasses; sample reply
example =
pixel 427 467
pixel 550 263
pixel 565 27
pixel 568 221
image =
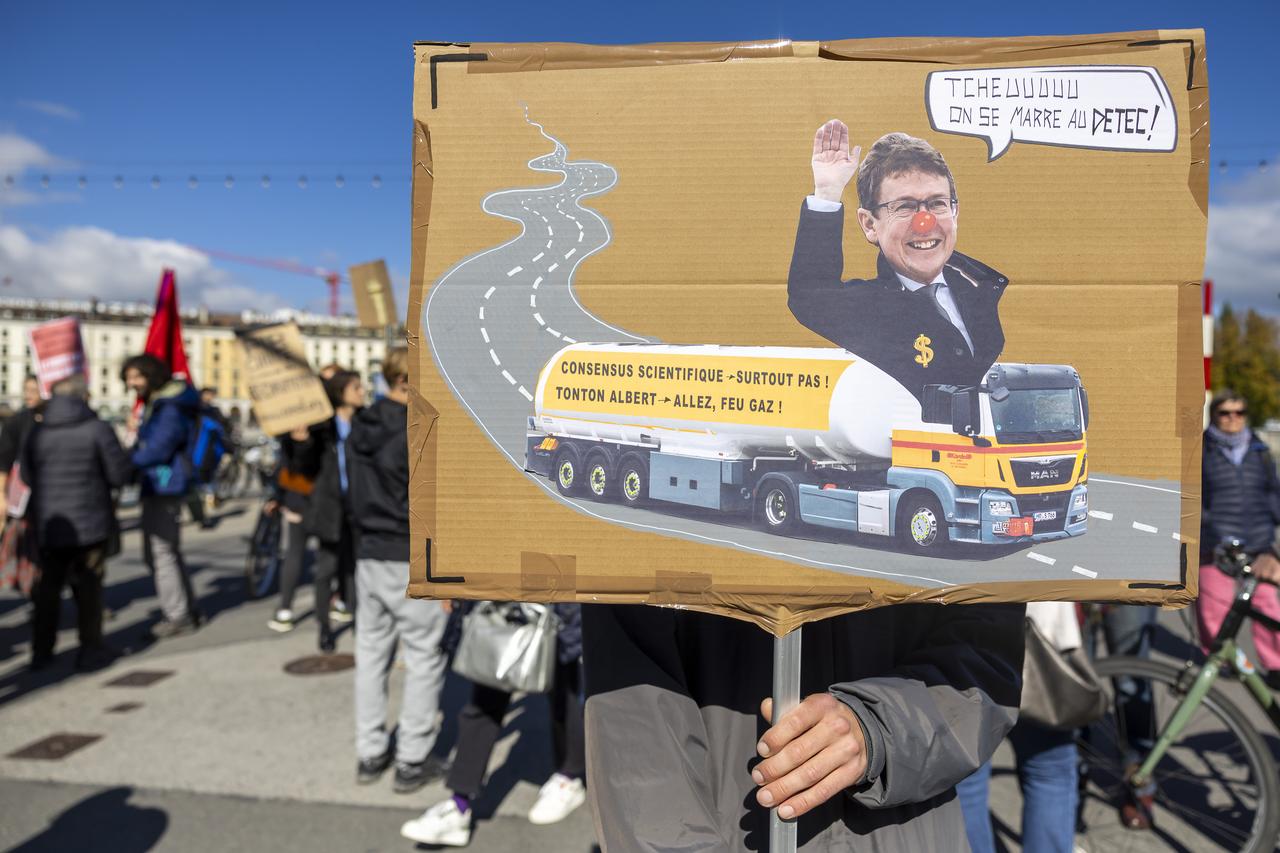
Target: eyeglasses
pixel 1232 413
pixel 904 208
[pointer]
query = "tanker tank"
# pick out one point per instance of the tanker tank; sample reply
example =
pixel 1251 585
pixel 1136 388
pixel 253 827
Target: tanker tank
pixel 727 402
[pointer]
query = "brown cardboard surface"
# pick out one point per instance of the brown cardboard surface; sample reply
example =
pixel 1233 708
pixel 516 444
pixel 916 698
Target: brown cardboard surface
pixel 710 143
pixel 375 300
pixel 285 393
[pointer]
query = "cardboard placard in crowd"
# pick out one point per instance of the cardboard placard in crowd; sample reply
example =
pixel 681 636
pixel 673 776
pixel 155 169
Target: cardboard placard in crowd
pixel 57 351
pixel 375 300
pixel 674 342
pixel 283 391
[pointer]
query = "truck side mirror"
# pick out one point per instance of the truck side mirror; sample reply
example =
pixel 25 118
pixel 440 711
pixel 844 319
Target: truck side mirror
pixel 962 414
pixel 1084 402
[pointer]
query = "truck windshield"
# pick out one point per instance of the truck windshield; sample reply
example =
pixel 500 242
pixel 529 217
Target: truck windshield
pixel 1033 415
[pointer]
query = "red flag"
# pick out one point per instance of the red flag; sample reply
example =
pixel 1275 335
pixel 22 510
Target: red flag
pixel 164 339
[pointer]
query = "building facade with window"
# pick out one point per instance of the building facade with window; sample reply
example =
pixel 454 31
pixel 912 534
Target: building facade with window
pixel 113 331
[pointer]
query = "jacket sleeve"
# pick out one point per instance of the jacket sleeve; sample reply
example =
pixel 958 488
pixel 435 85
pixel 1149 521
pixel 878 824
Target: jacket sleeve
pixel 816 295
pixel 945 709
pixel 116 466
pixel 166 436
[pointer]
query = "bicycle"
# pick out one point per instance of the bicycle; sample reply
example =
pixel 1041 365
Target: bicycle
pixel 1209 776
pixel 262 564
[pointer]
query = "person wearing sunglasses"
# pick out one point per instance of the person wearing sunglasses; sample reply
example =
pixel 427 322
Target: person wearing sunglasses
pixel 1239 499
pixel 930 315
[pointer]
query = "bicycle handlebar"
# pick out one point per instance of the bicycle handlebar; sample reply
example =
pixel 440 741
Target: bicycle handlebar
pixel 1231 557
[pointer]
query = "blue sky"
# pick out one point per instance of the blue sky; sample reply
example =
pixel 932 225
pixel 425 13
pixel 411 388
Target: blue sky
pixel 321 89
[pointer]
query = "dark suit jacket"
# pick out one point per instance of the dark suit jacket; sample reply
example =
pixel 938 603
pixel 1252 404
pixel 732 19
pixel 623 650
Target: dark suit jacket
pixel 881 321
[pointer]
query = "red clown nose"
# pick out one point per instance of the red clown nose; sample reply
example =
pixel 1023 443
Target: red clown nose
pixel 923 222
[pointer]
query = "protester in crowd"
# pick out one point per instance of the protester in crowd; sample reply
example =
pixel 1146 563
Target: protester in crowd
pixel 212 437
pixel 328 514
pixel 164 432
pixel 19 553
pixel 72 461
pixel 291 495
pixel 1239 499
pixel 1046 760
pixel 448 822
pixel 901 703
pixel 378 468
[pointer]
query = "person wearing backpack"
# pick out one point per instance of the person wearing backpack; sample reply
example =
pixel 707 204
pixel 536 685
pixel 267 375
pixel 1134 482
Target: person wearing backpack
pixel 160 455
pixel 210 439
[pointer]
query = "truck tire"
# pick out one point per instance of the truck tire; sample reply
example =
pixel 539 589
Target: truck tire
pixel 566 471
pixel 777 506
pixel 633 479
pixel 600 482
pixel 922 528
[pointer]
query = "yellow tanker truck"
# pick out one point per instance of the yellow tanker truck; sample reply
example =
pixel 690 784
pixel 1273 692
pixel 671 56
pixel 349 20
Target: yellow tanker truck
pixel 797 436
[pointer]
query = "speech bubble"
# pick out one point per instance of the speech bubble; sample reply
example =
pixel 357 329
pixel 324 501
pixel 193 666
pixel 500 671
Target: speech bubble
pixel 1107 107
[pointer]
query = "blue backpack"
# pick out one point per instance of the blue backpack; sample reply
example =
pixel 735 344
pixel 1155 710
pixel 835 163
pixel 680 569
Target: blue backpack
pixel 206 448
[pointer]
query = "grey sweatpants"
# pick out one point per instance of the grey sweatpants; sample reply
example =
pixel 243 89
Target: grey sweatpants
pixel 385 614
pixel 162 552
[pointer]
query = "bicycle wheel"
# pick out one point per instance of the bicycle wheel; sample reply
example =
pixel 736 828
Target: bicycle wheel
pixel 262 565
pixel 1217 788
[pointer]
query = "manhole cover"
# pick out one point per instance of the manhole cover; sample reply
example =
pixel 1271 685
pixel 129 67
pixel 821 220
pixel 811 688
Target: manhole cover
pixel 319 664
pixel 124 707
pixel 55 747
pixel 140 678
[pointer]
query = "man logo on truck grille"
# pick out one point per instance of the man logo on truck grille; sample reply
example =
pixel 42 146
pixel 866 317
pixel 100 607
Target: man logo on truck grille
pixel 922 347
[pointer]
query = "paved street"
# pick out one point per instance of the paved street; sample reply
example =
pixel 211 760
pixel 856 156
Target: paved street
pixel 226 751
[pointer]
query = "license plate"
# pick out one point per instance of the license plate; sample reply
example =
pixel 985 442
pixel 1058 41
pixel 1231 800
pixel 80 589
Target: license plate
pixel 1044 516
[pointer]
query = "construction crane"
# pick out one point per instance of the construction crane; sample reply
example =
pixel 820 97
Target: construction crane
pixel 333 279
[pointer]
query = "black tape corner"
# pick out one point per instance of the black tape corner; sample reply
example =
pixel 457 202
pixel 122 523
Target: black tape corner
pixel 450 57
pixel 432 579
pixel 1191 60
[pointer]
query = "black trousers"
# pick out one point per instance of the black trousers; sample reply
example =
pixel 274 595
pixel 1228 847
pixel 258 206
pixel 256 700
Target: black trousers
pixel 82 568
pixel 335 560
pixel 480 723
pixel 295 553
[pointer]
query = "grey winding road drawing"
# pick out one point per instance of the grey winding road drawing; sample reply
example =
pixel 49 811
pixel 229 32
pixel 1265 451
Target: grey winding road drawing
pixel 495 318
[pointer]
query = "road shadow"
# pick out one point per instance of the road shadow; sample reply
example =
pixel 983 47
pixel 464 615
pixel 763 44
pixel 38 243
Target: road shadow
pixel 105 815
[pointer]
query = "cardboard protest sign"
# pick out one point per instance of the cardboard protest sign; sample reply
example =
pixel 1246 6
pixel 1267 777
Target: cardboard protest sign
pixel 58 352
pixel 709 333
pixel 285 394
pixel 375 300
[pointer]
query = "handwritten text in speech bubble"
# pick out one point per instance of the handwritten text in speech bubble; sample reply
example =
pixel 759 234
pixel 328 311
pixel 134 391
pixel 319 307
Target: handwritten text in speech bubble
pixel 1111 107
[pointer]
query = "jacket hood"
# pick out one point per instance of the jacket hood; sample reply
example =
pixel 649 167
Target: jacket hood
pixel 176 392
pixel 379 423
pixel 61 410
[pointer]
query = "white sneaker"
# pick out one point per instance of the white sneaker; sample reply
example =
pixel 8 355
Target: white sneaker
pixel 440 824
pixel 557 798
pixel 282 622
pixel 338 612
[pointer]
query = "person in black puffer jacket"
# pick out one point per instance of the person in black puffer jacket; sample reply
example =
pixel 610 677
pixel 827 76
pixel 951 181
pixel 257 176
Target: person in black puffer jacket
pixel 72 460
pixel 1240 499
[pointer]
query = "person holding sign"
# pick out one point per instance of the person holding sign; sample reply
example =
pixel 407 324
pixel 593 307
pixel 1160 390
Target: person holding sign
pixel 930 316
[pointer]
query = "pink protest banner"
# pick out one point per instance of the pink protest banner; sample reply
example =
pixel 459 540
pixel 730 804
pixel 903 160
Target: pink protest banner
pixel 58 351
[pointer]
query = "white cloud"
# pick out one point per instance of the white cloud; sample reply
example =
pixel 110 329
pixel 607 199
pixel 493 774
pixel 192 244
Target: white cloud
pixel 1243 252
pixel 50 108
pixel 83 262
pixel 19 154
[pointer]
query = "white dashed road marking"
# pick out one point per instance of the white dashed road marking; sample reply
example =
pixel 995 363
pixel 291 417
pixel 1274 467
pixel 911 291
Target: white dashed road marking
pixel 533 300
pixel 553 331
pixel 1176 537
pixel 507 376
pixel 569 254
pixel 553 268
pixel 493 355
pixel 579 236
pixel 550 233
pixel 538 317
pixel 537 281
pixel 481 312
pixel 1097 513
pixel 1145 528
pixel 526 394
pixel 539 256
pixel 489 292
pixel 548 244
pixel 1048 561
pixel 1083 571
pixel 569 340
pixel 484 334
pixel 514 271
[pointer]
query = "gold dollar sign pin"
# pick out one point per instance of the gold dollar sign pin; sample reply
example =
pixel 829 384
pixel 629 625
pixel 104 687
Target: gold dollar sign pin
pixel 926 353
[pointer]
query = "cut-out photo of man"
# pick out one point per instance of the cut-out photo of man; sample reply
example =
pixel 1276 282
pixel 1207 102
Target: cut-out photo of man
pixel 930 315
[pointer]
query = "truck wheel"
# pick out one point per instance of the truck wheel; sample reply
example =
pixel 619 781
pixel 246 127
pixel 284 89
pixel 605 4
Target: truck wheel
pixel 566 470
pixel 922 528
pixel 777 507
pixel 599 468
pixel 633 479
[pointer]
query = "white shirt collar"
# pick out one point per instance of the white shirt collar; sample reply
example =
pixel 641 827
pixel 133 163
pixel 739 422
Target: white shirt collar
pixel 913 285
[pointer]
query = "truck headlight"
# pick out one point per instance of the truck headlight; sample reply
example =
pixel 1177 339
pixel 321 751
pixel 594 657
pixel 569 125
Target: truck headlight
pixel 1080 501
pixel 1000 507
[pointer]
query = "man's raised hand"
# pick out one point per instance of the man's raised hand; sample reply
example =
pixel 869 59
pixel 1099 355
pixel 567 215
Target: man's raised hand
pixel 833 165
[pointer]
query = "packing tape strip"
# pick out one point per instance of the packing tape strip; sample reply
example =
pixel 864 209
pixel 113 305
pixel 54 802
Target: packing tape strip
pixel 548 573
